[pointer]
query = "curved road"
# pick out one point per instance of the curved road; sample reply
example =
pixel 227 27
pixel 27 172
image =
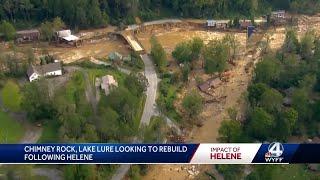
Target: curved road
pixel 149 107
pixel 150 104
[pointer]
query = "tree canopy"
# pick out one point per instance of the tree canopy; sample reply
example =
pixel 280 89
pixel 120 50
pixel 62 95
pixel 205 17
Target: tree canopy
pixel 7 30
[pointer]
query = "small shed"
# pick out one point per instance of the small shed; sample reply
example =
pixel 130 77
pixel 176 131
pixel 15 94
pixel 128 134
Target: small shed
pixel 27 35
pixel 281 14
pixel 211 23
pixel 222 24
pixel 65 36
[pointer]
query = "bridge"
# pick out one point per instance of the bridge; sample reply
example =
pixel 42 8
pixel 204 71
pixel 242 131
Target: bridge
pixel 131 40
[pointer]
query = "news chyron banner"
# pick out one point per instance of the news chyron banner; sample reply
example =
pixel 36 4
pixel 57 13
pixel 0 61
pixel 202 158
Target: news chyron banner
pixel 159 153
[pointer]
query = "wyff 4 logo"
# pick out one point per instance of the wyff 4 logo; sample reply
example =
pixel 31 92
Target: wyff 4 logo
pixel 275 150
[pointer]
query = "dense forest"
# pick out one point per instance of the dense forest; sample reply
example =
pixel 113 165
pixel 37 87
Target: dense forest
pixel 95 13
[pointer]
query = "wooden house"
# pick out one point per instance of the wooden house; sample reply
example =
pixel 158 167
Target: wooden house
pixel 27 35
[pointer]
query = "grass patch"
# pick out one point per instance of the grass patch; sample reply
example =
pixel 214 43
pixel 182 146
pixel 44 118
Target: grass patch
pixel 10 130
pixel 11 96
pixel 297 172
pixel 137 119
pixel 50 132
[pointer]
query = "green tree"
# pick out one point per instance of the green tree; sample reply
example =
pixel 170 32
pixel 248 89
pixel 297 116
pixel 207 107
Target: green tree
pixel 182 53
pixel 185 72
pixel 134 172
pixel 267 71
pixel 317 49
pixel 136 84
pixel 196 47
pixel 300 102
pixel 95 17
pixel 230 171
pixel 286 122
pixel 108 124
pixel 37 102
pixel 216 54
pixel 11 96
pixel 90 134
pixel 231 42
pixel 58 24
pixel 48 28
pixel 158 54
pixel 262 172
pixel 260 124
pixel 230 131
pixel 156 131
pixel 255 93
pixel 271 100
pixel 46 31
pixel 307 45
pixel 316 111
pixel 192 104
pixel 7 30
pixel 291 43
pixel 80 172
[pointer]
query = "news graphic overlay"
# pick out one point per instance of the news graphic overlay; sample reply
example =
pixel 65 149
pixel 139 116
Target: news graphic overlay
pixel 239 153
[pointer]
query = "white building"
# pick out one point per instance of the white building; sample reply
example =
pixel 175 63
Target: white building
pixel 66 37
pixel 211 23
pixel 52 69
pixel 107 83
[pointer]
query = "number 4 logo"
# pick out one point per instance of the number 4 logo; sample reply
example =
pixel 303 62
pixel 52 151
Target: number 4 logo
pixel 276 149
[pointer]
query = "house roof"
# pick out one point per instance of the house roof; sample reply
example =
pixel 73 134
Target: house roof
pixel 43 69
pixel 204 86
pixel 51 67
pixel 278 12
pixel 30 31
pixel 106 82
pixel 70 38
pixel 222 21
pixel 66 35
pixel 31 70
pixel 212 82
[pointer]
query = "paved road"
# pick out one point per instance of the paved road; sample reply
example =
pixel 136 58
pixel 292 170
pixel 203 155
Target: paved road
pixel 150 105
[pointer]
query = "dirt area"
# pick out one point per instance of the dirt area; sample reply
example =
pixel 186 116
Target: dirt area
pixel 212 116
pixel 99 49
pixel 96 43
pixel 169 39
pixel 277 37
pixel 213 113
